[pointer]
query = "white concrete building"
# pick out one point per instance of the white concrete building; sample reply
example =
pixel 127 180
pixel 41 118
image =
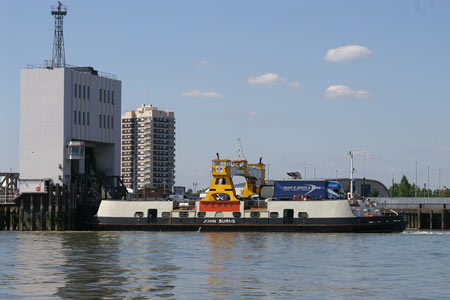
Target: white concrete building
pixel 69 123
pixel 148 148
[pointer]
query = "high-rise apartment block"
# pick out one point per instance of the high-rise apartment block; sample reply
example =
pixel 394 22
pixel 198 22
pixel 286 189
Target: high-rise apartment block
pixel 148 148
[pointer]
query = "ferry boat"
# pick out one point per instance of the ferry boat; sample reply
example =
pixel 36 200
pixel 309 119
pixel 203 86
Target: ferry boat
pixel 222 210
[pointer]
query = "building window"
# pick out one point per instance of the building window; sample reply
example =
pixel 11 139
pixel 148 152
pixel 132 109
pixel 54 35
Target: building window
pixel 88 122
pixel 79 90
pixel 112 122
pixel 74 117
pixel 112 97
pixel 79 117
pixel 108 121
pixel 75 90
pixel 84 118
pixel 104 121
pixel 104 96
pixel 100 121
pixel 100 95
pixel 89 93
pixel 108 96
pixel 84 92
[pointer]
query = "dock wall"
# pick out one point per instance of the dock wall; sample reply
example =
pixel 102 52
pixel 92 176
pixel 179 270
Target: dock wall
pixel 53 211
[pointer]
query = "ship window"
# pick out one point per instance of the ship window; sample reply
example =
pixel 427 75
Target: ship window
pixel 184 214
pixel 237 214
pixel 165 214
pixel 303 215
pixel 201 214
pixel 139 214
pixel 254 214
pixel 274 214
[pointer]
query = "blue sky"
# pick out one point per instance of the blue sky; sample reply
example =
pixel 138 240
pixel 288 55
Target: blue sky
pixel 259 70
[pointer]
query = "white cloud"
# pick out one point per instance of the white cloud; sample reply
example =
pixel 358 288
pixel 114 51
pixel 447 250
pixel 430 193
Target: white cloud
pixel 348 53
pixel 294 84
pixel 200 94
pixel 271 79
pixel 343 91
pixel 203 62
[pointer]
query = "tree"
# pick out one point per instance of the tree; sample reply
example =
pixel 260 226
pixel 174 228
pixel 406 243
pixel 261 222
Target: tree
pixel 405 189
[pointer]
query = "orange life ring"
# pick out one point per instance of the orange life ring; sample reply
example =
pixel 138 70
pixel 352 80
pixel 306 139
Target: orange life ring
pixel 38 189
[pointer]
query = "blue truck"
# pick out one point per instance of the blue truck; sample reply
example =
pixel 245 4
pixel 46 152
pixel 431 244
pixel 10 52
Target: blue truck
pixel 309 189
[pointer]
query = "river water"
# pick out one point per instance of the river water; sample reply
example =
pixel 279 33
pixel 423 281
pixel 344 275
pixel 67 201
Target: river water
pixel 198 265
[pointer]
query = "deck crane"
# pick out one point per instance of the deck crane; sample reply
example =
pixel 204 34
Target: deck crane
pixel 222 187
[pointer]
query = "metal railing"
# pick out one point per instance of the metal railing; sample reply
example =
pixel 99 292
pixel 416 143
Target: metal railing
pixel 7 199
pixel 412 202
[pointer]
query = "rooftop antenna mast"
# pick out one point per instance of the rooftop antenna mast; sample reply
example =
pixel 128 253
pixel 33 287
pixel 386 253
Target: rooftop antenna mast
pixel 58 57
pixel 239 150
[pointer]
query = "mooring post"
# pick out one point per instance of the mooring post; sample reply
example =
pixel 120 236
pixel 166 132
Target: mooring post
pixel 2 217
pixel 31 213
pixel 57 213
pixel 49 210
pixel 443 218
pixel 69 207
pixel 41 208
pixel 8 218
pixel 72 206
pixel 431 219
pixel 13 218
pixel 21 214
pixel 63 207
pixel 419 215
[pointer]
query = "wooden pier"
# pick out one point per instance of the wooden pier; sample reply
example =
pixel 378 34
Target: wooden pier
pixel 55 210
pixel 425 218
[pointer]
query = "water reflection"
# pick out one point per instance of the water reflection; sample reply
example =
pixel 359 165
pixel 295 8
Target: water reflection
pixel 37 268
pixel 92 265
pixel 220 280
pixel 132 265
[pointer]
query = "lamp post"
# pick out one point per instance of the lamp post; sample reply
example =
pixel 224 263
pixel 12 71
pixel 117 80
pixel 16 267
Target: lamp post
pixel 415 185
pixel 195 187
pixel 439 182
pixel 351 173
